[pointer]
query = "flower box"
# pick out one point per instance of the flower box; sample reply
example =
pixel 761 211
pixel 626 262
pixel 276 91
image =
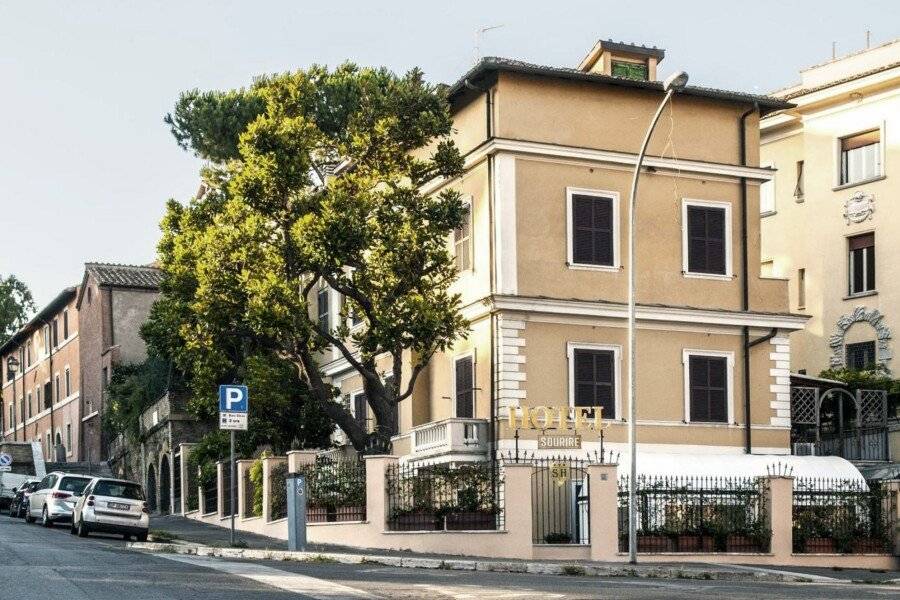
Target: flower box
pixel 654 543
pixel 696 543
pixel 471 520
pixel 819 545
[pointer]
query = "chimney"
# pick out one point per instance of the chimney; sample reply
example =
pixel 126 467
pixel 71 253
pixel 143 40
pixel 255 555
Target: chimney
pixel 619 59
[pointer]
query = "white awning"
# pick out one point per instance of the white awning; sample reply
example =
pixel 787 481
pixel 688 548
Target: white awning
pixel 740 465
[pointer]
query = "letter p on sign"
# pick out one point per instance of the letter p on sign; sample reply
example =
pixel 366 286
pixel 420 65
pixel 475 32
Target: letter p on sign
pixel 233 398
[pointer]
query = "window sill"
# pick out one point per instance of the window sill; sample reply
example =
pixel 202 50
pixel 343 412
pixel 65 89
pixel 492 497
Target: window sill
pixel 602 268
pixel 861 295
pixel 717 276
pixel 768 213
pixel 844 186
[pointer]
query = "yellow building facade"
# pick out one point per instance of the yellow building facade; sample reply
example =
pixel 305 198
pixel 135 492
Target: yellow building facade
pixel 543 260
pixel 828 225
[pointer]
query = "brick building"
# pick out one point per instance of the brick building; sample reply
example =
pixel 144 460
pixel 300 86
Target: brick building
pixel 41 380
pixel 113 302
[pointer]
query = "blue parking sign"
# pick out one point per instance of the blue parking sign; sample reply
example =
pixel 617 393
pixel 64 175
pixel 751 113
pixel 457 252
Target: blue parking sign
pixel 233 398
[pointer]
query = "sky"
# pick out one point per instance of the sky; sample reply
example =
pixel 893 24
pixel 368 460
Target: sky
pixel 86 162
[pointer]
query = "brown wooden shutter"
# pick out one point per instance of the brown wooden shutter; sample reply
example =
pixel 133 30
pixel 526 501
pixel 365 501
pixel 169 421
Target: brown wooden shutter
pixel 858 141
pixel 360 406
pixel 594 385
pixel 862 241
pixel 706 240
pixel 592 230
pixel 465 384
pixel 708 389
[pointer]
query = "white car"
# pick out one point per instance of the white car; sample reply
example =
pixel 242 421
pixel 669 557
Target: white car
pixel 112 506
pixel 54 498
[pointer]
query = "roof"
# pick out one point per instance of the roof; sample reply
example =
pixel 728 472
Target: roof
pixel 491 65
pixel 797 92
pixel 125 276
pixel 53 307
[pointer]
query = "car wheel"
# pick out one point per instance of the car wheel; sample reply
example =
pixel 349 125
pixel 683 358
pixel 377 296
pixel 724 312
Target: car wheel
pixel 72 527
pixel 82 528
pixel 28 517
pixel 142 537
pixel 45 518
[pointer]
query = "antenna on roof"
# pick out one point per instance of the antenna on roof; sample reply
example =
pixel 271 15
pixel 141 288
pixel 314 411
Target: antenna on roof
pixel 479 33
pixel 833 50
pixel 868 39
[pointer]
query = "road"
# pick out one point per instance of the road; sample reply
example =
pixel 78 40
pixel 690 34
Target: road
pixel 39 563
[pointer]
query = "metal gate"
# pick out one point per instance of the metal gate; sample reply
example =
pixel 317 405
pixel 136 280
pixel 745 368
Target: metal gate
pixel 560 490
pixel 176 484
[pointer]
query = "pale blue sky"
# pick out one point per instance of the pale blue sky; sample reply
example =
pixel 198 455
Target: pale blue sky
pixel 86 162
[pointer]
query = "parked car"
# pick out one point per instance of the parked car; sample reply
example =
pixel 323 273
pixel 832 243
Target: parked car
pixel 19 502
pixel 54 498
pixel 112 506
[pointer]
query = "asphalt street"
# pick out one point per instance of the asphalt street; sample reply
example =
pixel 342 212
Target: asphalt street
pixel 39 563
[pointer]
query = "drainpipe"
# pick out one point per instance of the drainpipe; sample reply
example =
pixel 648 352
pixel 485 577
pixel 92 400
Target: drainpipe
pixel 745 282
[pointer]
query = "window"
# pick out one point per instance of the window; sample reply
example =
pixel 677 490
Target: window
pixel 65 324
pixel 707 238
pixel 28 354
pixel 348 310
pixel 69 436
pixel 767 194
pixel 38 404
pixel 104 379
pixel 45 339
pixel 798 186
pixel 462 241
pixel 861 263
pixel 630 70
pixel 12 415
pixel 801 288
pixel 68 382
pixel 48 395
pixel 56 385
pixel 707 383
pixel 55 332
pixel 592 228
pixel 360 401
pixel 322 310
pixel 594 377
pixel 860 157
pixel 861 355
pixel 28 401
pixel 464 387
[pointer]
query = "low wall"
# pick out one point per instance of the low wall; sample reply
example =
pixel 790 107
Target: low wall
pixel 515 540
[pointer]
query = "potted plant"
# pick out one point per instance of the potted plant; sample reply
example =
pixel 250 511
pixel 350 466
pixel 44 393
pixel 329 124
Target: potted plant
pixel 654 540
pixel 470 512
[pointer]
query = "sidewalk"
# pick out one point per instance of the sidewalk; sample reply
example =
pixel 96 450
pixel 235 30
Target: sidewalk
pixel 203 539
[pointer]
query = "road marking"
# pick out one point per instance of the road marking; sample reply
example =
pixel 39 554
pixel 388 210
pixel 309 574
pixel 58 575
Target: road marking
pixel 319 589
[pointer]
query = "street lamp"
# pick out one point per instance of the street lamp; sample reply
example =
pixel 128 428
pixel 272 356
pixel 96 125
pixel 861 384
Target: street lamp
pixel 673 83
pixel 12 366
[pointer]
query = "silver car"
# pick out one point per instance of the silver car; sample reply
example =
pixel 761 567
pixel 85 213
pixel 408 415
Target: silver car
pixel 54 498
pixel 112 506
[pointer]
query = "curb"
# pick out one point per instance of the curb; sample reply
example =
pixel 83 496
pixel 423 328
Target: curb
pixel 540 568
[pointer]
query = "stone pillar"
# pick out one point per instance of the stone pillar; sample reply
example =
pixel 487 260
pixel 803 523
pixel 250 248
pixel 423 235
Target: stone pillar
pixel 184 475
pixel 269 463
pixel 201 495
pixel 220 487
pixel 517 508
pixel 243 473
pixel 376 489
pixel 296 458
pixel 892 502
pixel 780 508
pixel 603 496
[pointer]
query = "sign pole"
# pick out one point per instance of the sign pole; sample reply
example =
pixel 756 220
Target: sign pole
pixel 231 487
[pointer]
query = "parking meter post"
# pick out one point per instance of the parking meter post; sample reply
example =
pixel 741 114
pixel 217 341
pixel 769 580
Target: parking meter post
pixel 296 505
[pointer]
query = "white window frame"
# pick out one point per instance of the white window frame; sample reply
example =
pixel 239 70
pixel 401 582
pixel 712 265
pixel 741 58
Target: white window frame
pixel 729 271
pixel 353 396
pixel 836 167
pixel 686 355
pixel 469 201
pixel 616 349
pixel 771 182
pixel 456 357
pixel 616 265
pixel 850 272
pixel 68 380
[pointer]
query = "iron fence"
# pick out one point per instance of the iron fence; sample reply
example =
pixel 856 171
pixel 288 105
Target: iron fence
pixel 176 484
pixel 444 497
pixel 210 492
pixel 278 491
pixel 560 503
pixel 697 514
pixel 226 490
pixel 842 516
pixel 336 490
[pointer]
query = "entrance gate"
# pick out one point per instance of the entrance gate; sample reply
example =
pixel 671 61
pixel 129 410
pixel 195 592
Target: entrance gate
pixel 837 422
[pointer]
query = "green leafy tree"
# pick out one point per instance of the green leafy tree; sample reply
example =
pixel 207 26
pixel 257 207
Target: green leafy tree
pixel 245 259
pixel 16 306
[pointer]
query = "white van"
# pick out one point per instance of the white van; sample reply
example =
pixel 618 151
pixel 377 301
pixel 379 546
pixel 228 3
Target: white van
pixel 19 462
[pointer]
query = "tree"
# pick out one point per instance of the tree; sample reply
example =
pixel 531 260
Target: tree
pixel 276 226
pixel 16 306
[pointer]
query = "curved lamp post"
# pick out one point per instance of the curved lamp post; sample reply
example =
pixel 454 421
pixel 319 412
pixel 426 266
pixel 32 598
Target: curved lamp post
pixel 673 83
